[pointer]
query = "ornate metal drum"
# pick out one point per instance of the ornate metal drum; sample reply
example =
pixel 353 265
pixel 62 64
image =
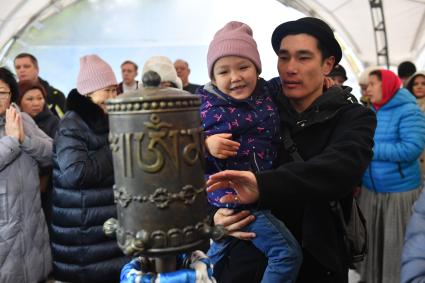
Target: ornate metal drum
pixel 155 137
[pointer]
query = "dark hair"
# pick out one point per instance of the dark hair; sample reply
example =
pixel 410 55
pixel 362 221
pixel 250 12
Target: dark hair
pixel 411 81
pixel 324 51
pixel 406 69
pixel 27 55
pixel 25 86
pixel 338 70
pixel 326 41
pixel 8 78
pixel 376 73
pixel 130 62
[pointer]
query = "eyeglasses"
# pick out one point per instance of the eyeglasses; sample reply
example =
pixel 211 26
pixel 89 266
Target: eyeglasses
pixel 4 95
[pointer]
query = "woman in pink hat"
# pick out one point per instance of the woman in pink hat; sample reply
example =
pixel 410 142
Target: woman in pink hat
pixel 83 177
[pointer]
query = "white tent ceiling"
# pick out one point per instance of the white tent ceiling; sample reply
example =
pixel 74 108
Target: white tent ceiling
pixel 405 23
pixel 18 15
pixel 404 20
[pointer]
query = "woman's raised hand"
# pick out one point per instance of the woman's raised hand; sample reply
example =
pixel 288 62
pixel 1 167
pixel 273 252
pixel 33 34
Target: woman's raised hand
pixel 14 126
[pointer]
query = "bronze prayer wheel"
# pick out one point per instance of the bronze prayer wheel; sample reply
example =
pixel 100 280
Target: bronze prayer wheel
pixel 157 147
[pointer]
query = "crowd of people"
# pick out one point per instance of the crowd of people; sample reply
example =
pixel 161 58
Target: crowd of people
pixel 56 169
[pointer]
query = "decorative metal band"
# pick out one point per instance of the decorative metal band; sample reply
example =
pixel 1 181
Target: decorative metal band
pixel 175 239
pixel 161 197
pixel 153 105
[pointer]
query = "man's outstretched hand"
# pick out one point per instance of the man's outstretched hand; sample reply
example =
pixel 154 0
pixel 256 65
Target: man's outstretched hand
pixel 243 182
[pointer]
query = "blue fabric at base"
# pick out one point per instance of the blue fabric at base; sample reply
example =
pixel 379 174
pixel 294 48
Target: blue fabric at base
pixel 131 272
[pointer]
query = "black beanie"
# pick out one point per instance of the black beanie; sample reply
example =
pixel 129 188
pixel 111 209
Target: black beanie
pixel 338 70
pixel 312 26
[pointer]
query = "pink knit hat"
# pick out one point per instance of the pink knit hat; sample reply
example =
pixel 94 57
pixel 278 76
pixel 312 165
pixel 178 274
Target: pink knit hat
pixel 234 39
pixel 94 74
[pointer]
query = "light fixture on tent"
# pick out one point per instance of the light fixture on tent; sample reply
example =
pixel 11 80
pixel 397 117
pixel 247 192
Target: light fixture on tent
pixel 57 7
pixel 37 25
pixel 21 42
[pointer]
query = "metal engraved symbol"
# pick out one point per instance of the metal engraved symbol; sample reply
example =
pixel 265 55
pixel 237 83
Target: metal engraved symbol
pixel 149 157
pixel 159 137
pixel 188 194
pixel 161 197
pixel 157 146
pixel 121 196
pixel 191 147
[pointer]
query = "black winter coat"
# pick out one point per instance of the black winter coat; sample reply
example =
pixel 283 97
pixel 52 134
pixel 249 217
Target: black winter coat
pixel 47 122
pixel 83 197
pixel 335 138
pixel 55 99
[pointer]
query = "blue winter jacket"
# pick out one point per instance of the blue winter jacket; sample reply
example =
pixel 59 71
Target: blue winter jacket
pixel 413 257
pixel 399 141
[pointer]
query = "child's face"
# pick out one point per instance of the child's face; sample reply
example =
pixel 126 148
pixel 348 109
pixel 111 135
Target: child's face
pixel 235 76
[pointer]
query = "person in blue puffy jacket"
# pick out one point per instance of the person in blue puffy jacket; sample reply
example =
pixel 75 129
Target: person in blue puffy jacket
pixel 392 182
pixel 413 257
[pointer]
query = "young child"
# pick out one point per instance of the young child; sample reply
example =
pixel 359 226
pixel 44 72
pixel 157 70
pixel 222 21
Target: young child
pixel 241 125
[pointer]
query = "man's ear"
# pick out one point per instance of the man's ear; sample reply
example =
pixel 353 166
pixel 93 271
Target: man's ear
pixel 328 65
pixel 188 71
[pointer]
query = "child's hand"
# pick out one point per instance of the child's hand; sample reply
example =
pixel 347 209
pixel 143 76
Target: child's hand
pixel 221 146
pixel 327 83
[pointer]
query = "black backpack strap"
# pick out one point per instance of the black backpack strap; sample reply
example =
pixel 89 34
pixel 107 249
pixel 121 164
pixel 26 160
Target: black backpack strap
pixel 290 146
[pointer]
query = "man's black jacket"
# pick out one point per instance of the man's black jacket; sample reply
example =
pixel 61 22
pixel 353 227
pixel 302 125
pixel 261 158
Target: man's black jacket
pixel 335 138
